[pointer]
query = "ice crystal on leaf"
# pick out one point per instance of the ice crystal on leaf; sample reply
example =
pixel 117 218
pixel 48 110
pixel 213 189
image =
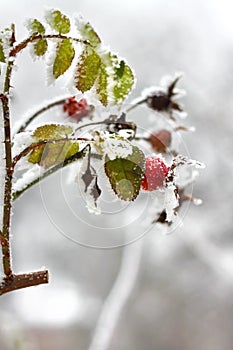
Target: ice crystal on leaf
pixel 86 31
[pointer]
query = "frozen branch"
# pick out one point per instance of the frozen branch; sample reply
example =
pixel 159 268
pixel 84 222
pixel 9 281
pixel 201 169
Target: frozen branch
pixel 117 297
pixel 37 113
pixel 25 280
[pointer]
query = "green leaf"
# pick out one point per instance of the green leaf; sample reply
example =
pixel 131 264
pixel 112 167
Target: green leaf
pixel 52 131
pixel 123 80
pixel 40 47
pixel 59 22
pixel 64 57
pixel 87 32
pixel 125 174
pixel 52 153
pixel 119 71
pixel 102 84
pixel 87 70
pixel 35 27
pixel 2 55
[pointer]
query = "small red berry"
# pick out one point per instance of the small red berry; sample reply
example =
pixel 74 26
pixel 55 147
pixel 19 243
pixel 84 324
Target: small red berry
pixel 70 106
pixel 155 174
pixel 77 109
pixel 160 140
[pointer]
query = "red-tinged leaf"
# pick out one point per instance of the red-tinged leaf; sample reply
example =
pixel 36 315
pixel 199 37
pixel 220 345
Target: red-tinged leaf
pixel 102 84
pixel 87 70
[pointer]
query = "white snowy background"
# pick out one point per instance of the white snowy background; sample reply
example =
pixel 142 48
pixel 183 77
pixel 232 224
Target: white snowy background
pixel 175 291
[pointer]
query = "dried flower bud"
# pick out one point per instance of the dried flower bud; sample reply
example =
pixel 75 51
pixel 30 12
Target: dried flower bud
pixel 160 140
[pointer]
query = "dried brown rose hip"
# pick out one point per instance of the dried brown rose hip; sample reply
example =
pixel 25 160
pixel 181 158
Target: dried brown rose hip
pixel 160 140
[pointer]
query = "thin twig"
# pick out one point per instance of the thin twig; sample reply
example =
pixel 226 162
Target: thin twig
pixel 48 172
pixel 89 124
pixel 35 37
pixel 37 113
pixel 117 297
pixel 134 105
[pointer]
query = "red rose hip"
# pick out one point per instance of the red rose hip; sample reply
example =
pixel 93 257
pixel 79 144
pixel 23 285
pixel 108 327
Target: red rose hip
pixel 155 174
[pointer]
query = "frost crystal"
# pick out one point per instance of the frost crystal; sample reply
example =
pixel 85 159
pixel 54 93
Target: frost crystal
pixel 170 201
pixel 28 177
pixel 22 141
pixel 115 148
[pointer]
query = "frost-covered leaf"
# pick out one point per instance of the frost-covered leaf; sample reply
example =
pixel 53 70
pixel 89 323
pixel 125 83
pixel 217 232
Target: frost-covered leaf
pixel 35 27
pixel 102 84
pixel 64 57
pixel 52 153
pixel 88 184
pixel 59 22
pixel 52 131
pixel 123 79
pixel 40 47
pixel 2 55
pixel 87 32
pixel 116 147
pixel 87 70
pixel 125 174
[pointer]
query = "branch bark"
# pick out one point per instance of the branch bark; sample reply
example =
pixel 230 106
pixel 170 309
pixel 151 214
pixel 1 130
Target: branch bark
pixel 6 256
pixel 15 282
pixel 35 37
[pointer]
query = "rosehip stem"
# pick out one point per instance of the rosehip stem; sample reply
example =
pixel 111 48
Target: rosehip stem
pixel 40 111
pixel 89 124
pixel 34 37
pixel 136 104
pixel 139 138
pixel 51 171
